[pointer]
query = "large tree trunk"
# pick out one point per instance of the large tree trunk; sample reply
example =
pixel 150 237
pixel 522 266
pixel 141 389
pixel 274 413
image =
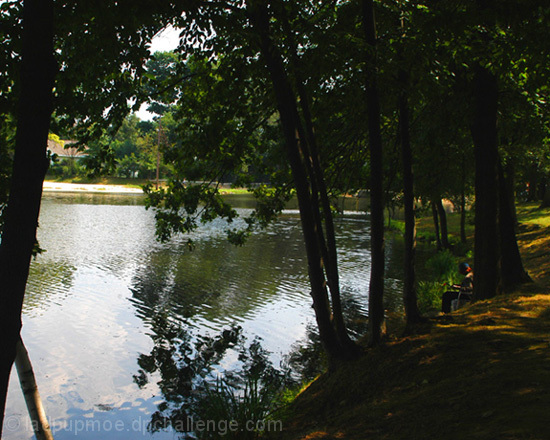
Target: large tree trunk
pixel 29 168
pixel 484 133
pixel 376 286
pixel 409 289
pixel 307 201
pixel 511 265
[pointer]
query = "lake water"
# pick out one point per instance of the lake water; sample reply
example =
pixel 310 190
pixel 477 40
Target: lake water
pixel 105 291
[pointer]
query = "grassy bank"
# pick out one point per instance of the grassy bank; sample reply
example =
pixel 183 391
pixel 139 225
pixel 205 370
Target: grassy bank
pixel 482 372
pixel 128 183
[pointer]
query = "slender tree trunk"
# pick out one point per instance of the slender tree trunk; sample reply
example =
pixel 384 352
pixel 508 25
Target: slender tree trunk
pixel 328 246
pixel 463 217
pixel 546 197
pixel 511 265
pixel 435 217
pixel 29 168
pixel 376 286
pixel 32 396
pixel 463 202
pixel 509 172
pixel 533 176
pixel 291 125
pixel 443 224
pixel 484 133
pixel 330 256
pixel 409 289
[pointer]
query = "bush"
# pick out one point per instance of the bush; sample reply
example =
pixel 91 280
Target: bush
pixel 442 269
pixel 462 250
pixel 442 266
pixel 66 168
pixel 429 295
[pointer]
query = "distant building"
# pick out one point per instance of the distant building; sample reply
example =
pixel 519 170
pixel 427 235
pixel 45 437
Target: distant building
pixel 64 151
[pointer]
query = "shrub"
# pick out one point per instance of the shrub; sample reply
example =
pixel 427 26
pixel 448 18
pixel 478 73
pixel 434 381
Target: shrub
pixel 442 270
pixel 442 266
pixel 429 295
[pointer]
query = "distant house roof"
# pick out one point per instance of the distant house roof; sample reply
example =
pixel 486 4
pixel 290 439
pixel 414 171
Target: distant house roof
pixel 65 150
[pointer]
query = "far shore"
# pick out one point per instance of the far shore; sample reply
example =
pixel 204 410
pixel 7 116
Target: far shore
pixel 111 186
pixel 51 186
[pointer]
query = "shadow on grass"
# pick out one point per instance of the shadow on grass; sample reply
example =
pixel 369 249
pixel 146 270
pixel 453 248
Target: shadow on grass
pixel 484 374
pixel 480 373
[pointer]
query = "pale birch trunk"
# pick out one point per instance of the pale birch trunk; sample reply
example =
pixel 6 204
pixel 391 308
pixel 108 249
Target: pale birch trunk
pixel 27 380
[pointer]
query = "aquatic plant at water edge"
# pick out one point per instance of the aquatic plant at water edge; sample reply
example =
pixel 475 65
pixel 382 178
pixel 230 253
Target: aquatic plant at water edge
pixel 197 399
pixel 244 410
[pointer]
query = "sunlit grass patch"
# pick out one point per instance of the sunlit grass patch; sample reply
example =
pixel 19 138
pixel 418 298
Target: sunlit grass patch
pixel 533 214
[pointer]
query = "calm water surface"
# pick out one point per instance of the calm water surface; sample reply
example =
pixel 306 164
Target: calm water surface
pixel 96 296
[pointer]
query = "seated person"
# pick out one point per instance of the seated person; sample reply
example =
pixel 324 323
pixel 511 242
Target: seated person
pixel 464 289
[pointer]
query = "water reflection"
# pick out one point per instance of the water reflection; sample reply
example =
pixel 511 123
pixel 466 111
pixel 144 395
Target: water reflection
pixel 204 306
pixel 102 297
pixel 189 367
pixel 47 279
pixel 218 281
pixel 84 198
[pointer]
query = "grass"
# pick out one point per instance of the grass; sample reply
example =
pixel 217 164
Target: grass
pixel 482 372
pixel 225 191
pixel 531 214
pixel 130 183
pixel 221 403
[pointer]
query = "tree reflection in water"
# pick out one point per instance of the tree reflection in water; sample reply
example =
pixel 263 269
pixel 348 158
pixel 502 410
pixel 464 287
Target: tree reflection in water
pixel 189 367
pixel 307 359
pixel 193 380
pixel 178 295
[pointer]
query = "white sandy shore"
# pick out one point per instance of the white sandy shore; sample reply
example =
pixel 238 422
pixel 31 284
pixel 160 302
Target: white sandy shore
pixel 89 188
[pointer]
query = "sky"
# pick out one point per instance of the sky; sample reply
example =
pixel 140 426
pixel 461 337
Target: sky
pixel 165 41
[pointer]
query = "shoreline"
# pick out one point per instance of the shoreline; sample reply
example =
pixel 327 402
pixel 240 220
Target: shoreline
pixel 50 186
